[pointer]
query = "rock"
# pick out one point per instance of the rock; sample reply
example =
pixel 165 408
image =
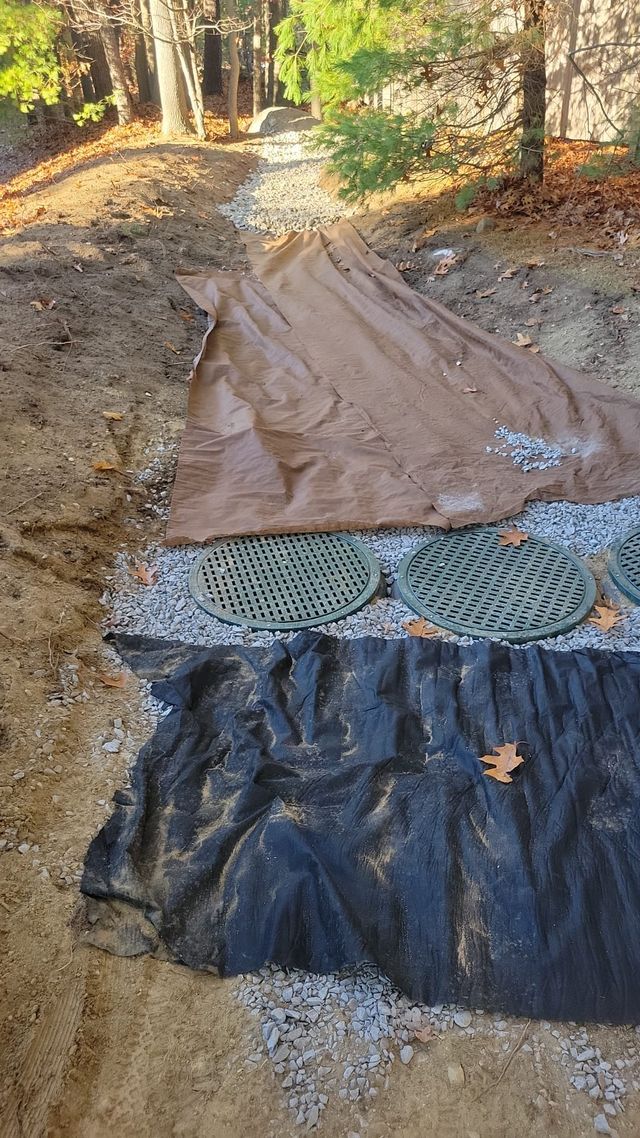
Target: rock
pixel 601 1124
pixel 24 847
pixel 585 1056
pixel 455 1074
pixel 406 1054
pixel 112 746
pixel 462 1019
pixel 485 225
pixel 273 120
pixel 312 1117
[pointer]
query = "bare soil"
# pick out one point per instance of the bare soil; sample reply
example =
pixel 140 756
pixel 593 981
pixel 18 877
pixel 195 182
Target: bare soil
pixel 92 320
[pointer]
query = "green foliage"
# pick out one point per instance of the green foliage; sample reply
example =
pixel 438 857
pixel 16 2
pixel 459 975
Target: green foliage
pixel 94 112
pixel 447 64
pixel 318 36
pixel 374 150
pixel 465 197
pixel 29 69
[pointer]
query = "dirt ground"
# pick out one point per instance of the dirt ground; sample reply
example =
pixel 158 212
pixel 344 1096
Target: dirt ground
pixel 92 321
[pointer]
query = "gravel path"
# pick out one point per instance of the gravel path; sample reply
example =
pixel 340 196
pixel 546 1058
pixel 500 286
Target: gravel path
pixel 338 1037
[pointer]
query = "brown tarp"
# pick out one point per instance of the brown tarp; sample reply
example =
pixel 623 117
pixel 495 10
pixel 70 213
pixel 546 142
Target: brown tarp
pixel 328 395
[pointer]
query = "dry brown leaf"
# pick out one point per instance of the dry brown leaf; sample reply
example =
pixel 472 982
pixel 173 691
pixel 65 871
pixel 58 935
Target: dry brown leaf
pixel 420 627
pixel 443 266
pixel 422 239
pixel 534 264
pixel 486 292
pixel 508 274
pixel 117 681
pixel 405 266
pixel 43 304
pixel 186 316
pixel 171 347
pixel 522 341
pixel 533 321
pixel 607 616
pixel 513 536
pixel 104 464
pixel 470 390
pixel 504 759
pixel 113 416
pixel 618 310
pixel 147 574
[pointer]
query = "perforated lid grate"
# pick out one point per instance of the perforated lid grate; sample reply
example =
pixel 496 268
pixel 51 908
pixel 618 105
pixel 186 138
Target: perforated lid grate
pixel 285 581
pixel 467 582
pixel 624 564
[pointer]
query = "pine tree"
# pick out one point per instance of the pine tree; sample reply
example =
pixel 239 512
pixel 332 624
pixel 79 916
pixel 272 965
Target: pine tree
pixel 463 84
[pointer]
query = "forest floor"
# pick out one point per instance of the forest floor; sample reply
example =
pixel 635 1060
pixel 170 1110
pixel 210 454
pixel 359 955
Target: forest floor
pixel 92 321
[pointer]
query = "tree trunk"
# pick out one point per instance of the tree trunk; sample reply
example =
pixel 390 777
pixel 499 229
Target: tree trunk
pixel 121 94
pixel 187 58
pixel 172 95
pixel 269 19
pixel 212 55
pixel 257 58
pixel 71 72
pixel 142 70
pixel 234 72
pixel 534 92
pixel 84 64
pixel 150 51
pixel 99 69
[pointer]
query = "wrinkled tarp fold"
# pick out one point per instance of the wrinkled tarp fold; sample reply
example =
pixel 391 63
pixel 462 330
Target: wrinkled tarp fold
pixel 320 803
pixel 329 395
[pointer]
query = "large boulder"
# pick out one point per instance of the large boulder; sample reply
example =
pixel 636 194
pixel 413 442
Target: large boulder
pixel 276 120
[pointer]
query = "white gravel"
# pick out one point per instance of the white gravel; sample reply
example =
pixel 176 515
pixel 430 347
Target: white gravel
pixel 337 1036
pixel 283 192
pixel 168 610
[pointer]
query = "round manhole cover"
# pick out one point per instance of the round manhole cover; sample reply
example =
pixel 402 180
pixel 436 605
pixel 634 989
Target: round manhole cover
pixel 285 581
pixel 624 564
pixel 467 582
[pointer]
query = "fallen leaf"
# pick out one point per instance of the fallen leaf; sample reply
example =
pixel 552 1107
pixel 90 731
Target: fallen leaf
pixel 104 464
pixel 486 292
pixel 608 615
pixel 533 321
pixel 114 416
pixel 504 759
pixel 78 268
pixel 117 681
pixel 171 347
pixel 534 264
pixel 618 310
pixel 43 304
pixel 405 266
pixel 147 574
pixel 443 266
pixel 522 341
pixel 508 274
pixel 425 1034
pixel 420 627
pixel 422 239
pixel 470 390
pixel 186 316
pixel 512 536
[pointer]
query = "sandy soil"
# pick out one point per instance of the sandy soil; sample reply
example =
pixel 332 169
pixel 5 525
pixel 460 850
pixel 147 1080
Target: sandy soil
pixel 92 1045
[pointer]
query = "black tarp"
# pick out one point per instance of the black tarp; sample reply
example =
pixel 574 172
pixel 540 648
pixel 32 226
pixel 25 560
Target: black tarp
pixel 320 803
